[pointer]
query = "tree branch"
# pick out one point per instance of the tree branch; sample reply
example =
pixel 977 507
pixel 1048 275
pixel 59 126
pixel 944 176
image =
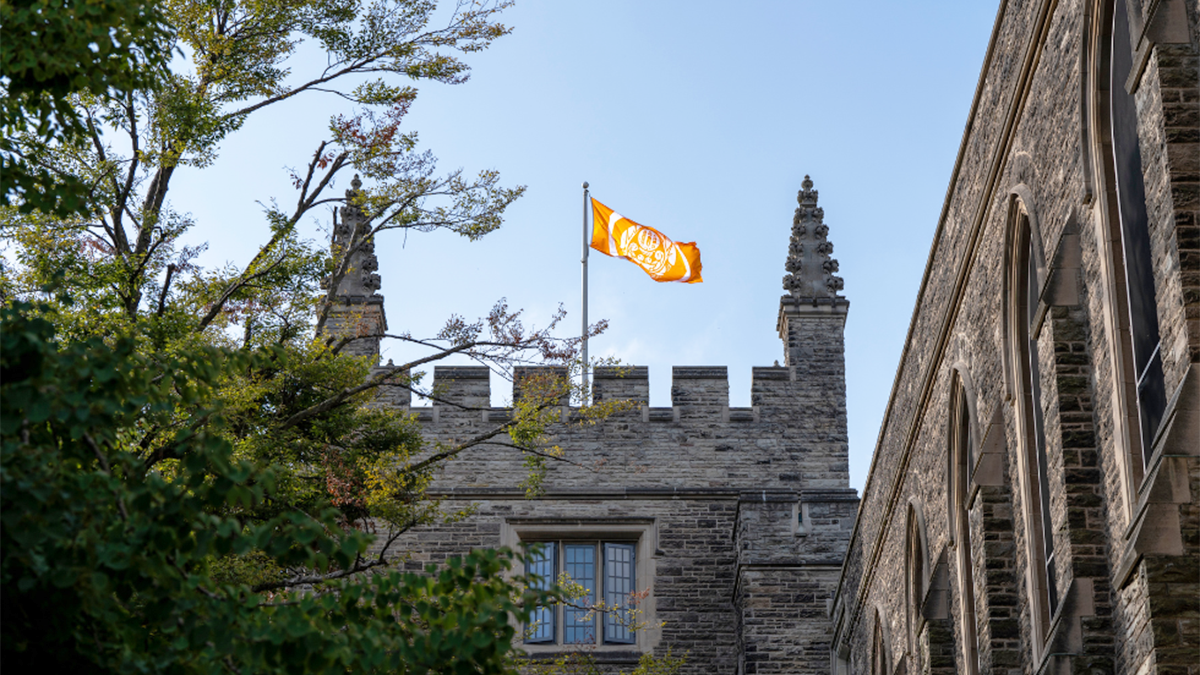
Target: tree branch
pixel 107 471
pixel 380 379
pixel 162 299
pixel 236 286
pixel 122 205
pixel 319 578
pixel 457 450
pixel 304 87
pixel 168 451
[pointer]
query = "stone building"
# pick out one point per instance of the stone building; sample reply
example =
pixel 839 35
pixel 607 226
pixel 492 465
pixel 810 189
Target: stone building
pixel 1033 505
pixel 732 522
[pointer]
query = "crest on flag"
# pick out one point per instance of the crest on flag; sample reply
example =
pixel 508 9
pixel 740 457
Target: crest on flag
pixel 659 256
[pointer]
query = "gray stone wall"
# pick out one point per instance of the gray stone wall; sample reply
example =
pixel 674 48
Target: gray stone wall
pixel 361 320
pixel 790 548
pixel 692 560
pixel 781 442
pixel 737 581
pixel 740 517
pixel 1125 544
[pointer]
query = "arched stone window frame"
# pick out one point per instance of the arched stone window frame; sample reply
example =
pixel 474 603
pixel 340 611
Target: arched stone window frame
pixel 916 572
pixel 1101 169
pixel 881 653
pixel 963 447
pixel 1024 279
pixel 1020 204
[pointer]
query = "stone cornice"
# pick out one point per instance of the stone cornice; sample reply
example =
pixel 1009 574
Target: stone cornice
pixel 731 493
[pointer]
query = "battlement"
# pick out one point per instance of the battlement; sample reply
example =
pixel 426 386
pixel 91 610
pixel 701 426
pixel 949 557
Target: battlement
pixel 462 386
pixel 628 383
pixel 697 393
pixel 540 378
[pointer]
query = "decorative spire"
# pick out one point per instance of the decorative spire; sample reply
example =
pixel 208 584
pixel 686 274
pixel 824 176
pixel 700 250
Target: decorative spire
pixel 360 279
pixel 810 269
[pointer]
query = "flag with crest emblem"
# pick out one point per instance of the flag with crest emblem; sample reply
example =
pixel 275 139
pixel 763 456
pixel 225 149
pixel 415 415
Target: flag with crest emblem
pixel 660 257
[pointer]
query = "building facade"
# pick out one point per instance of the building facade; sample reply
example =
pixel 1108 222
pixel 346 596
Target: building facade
pixel 1033 505
pixel 728 526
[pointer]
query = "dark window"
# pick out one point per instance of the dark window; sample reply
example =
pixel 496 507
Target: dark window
pixel 960 494
pixel 1035 440
pixel 605 570
pixel 1037 423
pixel 1135 238
pixel 541 565
pixel 916 575
pixel 879 658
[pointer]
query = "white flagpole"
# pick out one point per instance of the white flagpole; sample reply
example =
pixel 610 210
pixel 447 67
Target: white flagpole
pixel 584 259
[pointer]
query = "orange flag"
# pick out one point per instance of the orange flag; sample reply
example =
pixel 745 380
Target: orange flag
pixel 661 258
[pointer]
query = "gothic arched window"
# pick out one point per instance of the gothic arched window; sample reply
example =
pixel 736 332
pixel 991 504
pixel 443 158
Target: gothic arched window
pixel 917 564
pixel 879 650
pixel 1025 286
pixel 962 442
pixel 1130 213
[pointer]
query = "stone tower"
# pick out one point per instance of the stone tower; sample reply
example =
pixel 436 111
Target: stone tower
pixel 812 316
pixel 786 575
pixel 731 523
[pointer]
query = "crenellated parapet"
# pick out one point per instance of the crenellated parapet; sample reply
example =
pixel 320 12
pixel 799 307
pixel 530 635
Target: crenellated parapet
pixel 788 438
pixel 627 383
pixel 456 388
pixel 698 393
pixel 540 382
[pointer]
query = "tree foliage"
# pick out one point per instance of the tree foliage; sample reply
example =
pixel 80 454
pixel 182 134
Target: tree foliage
pixel 53 51
pixel 307 407
pixel 195 476
pixel 108 564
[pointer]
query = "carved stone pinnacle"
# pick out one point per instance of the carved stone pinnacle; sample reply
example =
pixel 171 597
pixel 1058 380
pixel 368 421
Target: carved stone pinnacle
pixel 810 269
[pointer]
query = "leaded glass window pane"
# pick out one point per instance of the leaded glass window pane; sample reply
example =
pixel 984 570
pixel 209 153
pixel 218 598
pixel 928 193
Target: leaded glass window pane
pixel 618 585
pixel 541 564
pixel 579 561
pixel 1039 428
pixel 1135 239
pixel 606 571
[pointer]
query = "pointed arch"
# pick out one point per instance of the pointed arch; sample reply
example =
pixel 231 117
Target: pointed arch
pixel 881 653
pixel 1130 309
pixel 963 437
pixel 917 572
pixel 1024 278
pixel 1021 207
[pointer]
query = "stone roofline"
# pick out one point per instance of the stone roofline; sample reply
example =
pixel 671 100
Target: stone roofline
pixel 767 495
pixel 696 391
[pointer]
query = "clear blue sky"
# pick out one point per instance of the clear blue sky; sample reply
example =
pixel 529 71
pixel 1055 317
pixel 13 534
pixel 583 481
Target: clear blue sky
pixel 697 118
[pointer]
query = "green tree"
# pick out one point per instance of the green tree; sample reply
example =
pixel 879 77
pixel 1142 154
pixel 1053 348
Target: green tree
pixel 54 50
pixel 189 461
pixel 307 407
pixel 107 563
